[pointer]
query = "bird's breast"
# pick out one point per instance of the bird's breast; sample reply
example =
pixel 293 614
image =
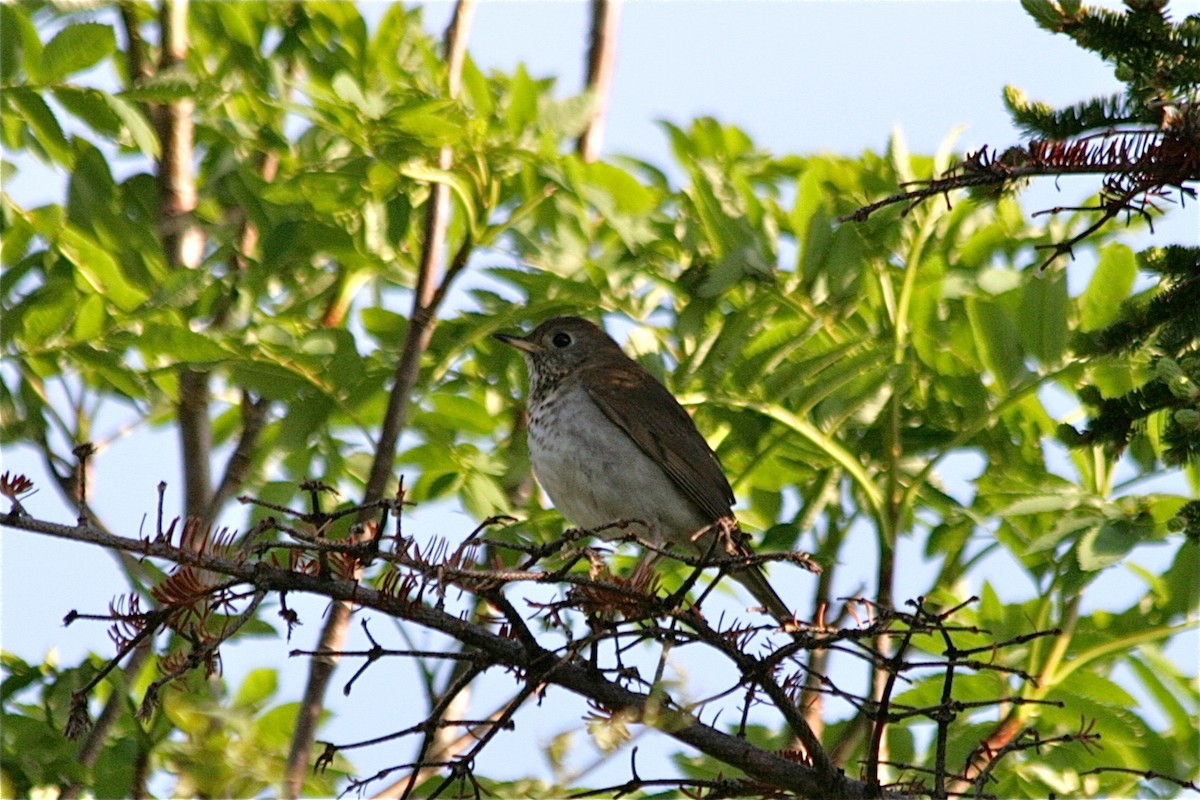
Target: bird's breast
pixel 596 474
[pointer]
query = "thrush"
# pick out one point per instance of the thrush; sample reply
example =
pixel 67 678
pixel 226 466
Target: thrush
pixel 609 442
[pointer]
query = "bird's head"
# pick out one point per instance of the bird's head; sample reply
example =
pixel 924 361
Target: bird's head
pixel 561 346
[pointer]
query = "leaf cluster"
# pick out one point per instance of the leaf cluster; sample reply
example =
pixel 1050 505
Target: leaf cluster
pixel 1153 55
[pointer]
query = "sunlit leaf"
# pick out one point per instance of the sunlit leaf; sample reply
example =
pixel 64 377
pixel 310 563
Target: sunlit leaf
pixel 74 48
pixel 41 120
pixel 997 341
pixel 97 267
pixel 1045 317
pixel 179 345
pixel 1107 544
pixel 257 687
pixel 1111 283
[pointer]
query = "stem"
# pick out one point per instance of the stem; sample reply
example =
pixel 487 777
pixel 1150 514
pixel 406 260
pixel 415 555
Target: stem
pixel 426 298
pixel 183 243
pixel 602 61
pixel 838 454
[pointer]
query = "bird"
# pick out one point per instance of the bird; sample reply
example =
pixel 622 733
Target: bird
pixel 609 442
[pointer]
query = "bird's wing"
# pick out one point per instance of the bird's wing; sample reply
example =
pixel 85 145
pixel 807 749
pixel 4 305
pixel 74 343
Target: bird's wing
pixel 669 436
pixel 659 426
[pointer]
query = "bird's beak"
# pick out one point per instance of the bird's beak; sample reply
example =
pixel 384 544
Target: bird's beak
pixel 519 342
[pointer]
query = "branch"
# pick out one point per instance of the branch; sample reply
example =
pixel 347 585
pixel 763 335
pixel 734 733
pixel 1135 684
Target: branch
pixel 601 64
pixel 528 658
pixel 218 571
pixel 183 243
pixel 93 744
pixel 422 320
pixel 1138 165
pixel 136 61
pixel 237 469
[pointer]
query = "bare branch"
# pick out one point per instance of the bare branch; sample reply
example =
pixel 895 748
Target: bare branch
pixel 527 657
pixel 1139 167
pixel 601 65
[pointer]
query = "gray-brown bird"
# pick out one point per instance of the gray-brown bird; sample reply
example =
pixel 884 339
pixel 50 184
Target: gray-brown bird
pixel 609 442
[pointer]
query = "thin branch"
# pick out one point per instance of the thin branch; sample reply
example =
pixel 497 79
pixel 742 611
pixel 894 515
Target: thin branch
pixel 529 658
pixel 241 460
pixel 1139 166
pixel 601 65
pixel 137 62
pixel 416 341
pixel 183 243
pixel 1147 774
pixel 446 751
pixel 93 743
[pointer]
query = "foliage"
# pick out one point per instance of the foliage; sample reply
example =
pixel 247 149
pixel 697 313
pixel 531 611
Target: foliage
pixel 1152 55
pixel 837 368
pixel 1158 61
pixel 199 719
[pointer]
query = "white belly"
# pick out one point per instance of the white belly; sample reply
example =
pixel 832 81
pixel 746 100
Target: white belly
pixel 596 474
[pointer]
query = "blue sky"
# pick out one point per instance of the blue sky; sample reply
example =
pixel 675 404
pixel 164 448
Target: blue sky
pixel 797 77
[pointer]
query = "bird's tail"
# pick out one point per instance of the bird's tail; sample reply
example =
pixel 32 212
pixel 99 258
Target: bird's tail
pixel 755 581
pixel 734 541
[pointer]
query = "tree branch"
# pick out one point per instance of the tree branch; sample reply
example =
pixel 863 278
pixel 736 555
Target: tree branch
pixel 422 320
pixel 601 65
pixel 183 244
pixel 568 671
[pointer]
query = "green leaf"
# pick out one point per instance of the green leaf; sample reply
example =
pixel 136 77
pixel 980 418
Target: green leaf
pixel 105 368
pixel 482 496
pixel 523 101
pixel 140 133
pixel 476 88
pixel 47 313
pixel 163 87
pixel 459 184
pixel 96 267
pixel 900 158
pixel 257 688
pixel 431 121
pixel 1106 544
pixel 1100 304
pixel 275 728
pixel 1044 13
pixel 384 325
pixel 48 133
pixel 74 48
pixel 1180 579
pixel 1041 503
pixel 348 90
pixel 996 340
pixel 1161 679
pixel 629 195
pixel 1045 313
pixel 458 413
pixel 90 107
pixel 1065 526
pixel 179 344
pixel 808 200
pixel 91 318
pixel 237 23
pixel 19 42
pixel 1116 377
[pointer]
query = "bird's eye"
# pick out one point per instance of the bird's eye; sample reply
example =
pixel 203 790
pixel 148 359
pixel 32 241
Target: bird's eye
pixel 561 339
